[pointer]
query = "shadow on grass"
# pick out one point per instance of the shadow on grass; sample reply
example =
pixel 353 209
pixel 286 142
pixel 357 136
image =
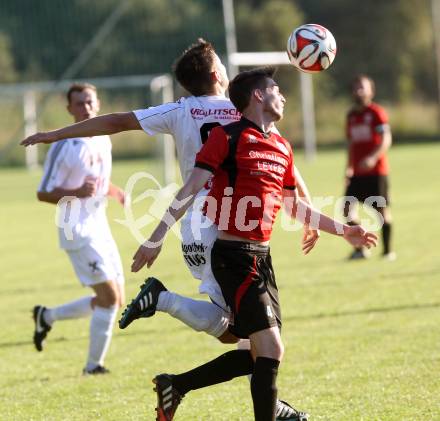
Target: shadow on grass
pixel 364 311
pixel 17 344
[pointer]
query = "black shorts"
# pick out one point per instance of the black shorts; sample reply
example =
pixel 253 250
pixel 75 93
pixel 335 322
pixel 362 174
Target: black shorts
pixel 245 275
pixel 363 187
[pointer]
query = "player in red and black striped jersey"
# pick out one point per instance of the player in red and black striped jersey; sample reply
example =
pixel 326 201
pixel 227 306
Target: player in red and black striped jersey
pixel 254 166
pixel 369 138
pixel 253 175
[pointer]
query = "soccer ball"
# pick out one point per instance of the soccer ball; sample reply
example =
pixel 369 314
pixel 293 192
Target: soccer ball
pixel 311 48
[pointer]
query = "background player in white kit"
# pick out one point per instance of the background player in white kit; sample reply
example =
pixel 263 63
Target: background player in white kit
pixel 77 172
pixel 189 120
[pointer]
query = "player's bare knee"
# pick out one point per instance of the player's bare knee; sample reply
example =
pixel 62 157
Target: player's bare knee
pixel 277 351
pixel 280 351
pixel 386 214
pixel 106 295
pixel 267 344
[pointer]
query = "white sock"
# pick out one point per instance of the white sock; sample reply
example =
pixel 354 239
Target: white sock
pixel 72 310
pixel 199 315
pixel 101 327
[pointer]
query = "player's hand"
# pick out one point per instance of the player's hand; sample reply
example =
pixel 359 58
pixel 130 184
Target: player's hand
pixel 89 187
pixel 145 255
pixel 310 237
pixel 118 194
pixel 41 137
pixel 120 197
pixel 368 163
pixel 359 237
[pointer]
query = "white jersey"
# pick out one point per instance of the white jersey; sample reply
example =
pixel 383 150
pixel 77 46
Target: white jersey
pixel 189 121
pixel 67 164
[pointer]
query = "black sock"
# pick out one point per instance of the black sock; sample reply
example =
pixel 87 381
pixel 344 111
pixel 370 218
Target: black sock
pixel 352 224
pixel 224 368
pixel 386 237
pixel 264 389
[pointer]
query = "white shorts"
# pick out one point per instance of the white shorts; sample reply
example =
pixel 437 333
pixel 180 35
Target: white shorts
pixel 97 262
pixel 198 237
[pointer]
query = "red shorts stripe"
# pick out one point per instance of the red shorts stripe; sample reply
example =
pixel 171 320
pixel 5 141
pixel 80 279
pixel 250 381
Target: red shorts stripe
pixel 245 285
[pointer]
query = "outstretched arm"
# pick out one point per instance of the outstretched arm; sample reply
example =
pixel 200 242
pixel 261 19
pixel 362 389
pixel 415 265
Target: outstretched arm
pixel 310 235
pixel 355 235
pixel 102 125
pixel 148 252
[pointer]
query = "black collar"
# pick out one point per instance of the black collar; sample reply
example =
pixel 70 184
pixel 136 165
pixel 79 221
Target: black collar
pixel 250 123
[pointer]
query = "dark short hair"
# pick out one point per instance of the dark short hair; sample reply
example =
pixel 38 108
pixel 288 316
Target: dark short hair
pixel 242 86
pixel 362 76
pixel 194 67
pixel 79 87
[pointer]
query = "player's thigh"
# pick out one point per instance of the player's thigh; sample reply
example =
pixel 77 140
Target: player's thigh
pixel 352 198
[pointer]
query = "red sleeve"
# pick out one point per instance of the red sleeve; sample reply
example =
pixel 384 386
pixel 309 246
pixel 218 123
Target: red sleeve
pixel 214 151
pixel 381 116
pixel 289 176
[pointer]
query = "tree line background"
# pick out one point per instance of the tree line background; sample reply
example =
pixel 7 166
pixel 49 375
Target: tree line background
pixel 390 40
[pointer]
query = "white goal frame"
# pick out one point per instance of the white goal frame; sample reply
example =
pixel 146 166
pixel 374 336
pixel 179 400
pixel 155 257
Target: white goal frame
pixel 161 87
pixel 278 58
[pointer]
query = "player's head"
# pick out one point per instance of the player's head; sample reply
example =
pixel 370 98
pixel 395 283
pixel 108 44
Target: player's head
pixel 362 89
pixel 200 71
pixel 256 88
pixel 82 101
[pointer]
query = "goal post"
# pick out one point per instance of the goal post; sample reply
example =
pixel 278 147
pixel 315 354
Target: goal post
pixel 161 88
pixel 279 58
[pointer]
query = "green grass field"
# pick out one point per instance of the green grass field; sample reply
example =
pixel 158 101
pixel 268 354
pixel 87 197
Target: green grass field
pixel 362 338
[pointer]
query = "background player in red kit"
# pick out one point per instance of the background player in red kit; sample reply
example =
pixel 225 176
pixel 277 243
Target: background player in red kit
pixel 369 138
pixel 253 174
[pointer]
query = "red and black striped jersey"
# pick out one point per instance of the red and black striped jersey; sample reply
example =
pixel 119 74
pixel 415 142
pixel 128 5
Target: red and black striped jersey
pixel 364 133
pixel 251 168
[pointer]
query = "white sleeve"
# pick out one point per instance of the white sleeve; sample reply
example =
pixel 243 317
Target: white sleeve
pixel 56 167
pixel 61 160
pixel 160 119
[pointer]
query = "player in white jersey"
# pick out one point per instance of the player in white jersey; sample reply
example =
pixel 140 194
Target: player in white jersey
pixel 189 120
pixel 77 178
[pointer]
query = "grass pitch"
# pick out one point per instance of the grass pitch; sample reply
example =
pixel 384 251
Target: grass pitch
pixel 362 338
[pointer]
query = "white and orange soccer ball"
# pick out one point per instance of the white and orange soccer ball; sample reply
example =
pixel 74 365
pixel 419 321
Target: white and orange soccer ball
pixel 311 48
